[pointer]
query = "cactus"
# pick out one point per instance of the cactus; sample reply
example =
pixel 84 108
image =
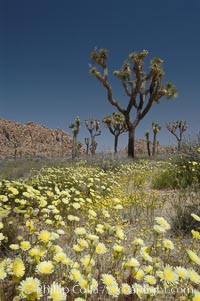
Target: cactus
pixel 177 128
pixel 75 128
pixel 116 125
pixel 93 126
pixel 142 88
pixel 156 128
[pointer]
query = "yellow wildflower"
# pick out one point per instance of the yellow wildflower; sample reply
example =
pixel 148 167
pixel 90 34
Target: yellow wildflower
pixel 118 249
pixel 113 290
pixel 57 292
pixel 196 296
pixel 30 287
pixel 25 245
pixel 101 248
pixel 126 289
pixel 18 268
pixel 195 234
pixel 196 217
pixel 44 236
pixel 193 256
pixel 168 244
pixel 108 279
pixel 45 267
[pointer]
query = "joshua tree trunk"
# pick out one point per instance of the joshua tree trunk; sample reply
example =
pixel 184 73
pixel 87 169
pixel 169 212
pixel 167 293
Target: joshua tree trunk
pixel 93 146
pixel 148 143
pixel 74 147
pixel 75 127
pixel 148 148
pixel 131 142
pixel 157 147
pixel 179 144
pixel 15 153
pixel 154 145
pixel 116 143
pixel 93 126
pixel 87 149
pixel 87 142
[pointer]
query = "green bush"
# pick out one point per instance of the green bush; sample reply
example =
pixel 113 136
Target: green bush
pixel 166 179
pixel 184 170
pixel 184 205
pixel 189 162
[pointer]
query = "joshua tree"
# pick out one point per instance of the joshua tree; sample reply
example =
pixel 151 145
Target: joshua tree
pixel 75 128
pixel 142 88
pixel 93 126
pixel 156 128
pixel 87 142
pixel 177 128
pixel 116 125
pixel 148 143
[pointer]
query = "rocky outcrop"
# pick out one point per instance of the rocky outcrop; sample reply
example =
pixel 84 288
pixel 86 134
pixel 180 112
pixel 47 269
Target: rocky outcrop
pixel 19 140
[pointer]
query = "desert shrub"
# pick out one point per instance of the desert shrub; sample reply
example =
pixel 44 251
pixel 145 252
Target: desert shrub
pixel 183 221
pixel 189 161
pixel 184 205
pixel 183 171
pixel 166 177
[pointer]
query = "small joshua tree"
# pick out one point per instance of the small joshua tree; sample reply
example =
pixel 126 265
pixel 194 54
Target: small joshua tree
pixel 148 143
pixel 177 128
pixel 87 142
pixel 156 128
pixel 142 88
pixel 93 126
pixel 75 128
pixel 116 125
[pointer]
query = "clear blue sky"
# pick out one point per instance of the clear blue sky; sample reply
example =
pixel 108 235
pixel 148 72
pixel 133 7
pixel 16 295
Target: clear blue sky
pixel 45 50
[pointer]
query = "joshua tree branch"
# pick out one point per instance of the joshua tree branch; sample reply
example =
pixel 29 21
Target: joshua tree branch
pixel 109 91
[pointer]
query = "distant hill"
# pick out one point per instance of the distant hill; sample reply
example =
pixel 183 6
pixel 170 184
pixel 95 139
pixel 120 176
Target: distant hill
pixel 19 140
pixel 22 140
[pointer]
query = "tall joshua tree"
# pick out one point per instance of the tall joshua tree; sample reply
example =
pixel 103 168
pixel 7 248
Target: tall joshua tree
pixel 148 143
pixel 75 128
pixel 116 125
pixel 142 88
pixel 177 128
pixel 93 126
pixel 156 128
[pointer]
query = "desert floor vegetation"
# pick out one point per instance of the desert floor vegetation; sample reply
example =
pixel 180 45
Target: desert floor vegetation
pixel 102 230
